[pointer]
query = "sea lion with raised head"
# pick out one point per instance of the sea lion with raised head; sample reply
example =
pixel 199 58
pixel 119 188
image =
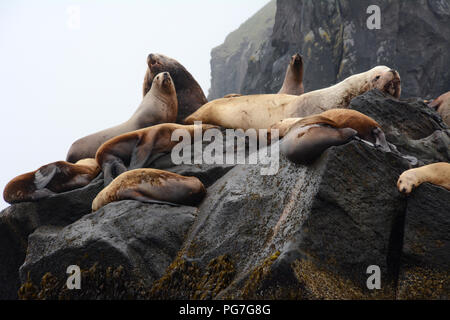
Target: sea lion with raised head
pixel 263 110
pixel 436 173
pixel 189 93
pixel 152 186
pixel 138 149
pixel 53 178
pixel 442 106
pixel 293 80
pixel 159 105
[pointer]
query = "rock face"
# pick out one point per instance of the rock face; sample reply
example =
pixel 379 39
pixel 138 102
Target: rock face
pixel 143 239
pixel 229 61
pixel 335 42
pixel 307 232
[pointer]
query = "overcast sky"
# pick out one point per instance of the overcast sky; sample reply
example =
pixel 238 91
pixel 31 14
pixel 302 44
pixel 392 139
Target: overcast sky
pixel 62 78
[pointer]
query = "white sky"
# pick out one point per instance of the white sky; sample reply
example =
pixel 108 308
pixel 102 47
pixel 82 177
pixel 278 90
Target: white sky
pixel 59 83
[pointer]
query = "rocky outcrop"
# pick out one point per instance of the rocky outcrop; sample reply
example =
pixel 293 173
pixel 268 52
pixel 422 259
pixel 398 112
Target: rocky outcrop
pixel 335 42
pixel 229 61
pixel 307 232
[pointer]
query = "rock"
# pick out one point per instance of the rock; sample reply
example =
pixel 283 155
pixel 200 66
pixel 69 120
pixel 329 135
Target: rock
pixel 413 127
pixel 278 233
pixel 20 220
pixel 425 261
pixel 414 39
pixel 240 47
pixel 141 238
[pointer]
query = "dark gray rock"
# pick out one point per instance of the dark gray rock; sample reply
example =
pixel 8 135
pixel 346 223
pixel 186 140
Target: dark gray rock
pixel 426 249
pixel 334 39
pixel 142 238
pixel 341 214
pixel 20 220
pixel 413 127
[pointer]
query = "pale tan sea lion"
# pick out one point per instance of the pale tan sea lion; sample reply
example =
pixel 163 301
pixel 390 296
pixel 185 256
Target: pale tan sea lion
pixel 152 186
pixel 367 128
pixel 442 106
pixel 436 173
pixel 293 80
pixel 158 106
pixel 53 178
pixel 189 93
pixel 138 149
pixel 262 111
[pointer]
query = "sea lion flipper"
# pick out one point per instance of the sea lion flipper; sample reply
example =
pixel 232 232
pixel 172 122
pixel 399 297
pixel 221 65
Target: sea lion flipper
pixel 44 175
pixel 140 156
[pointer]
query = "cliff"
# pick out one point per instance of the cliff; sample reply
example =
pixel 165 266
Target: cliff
pixel 335 42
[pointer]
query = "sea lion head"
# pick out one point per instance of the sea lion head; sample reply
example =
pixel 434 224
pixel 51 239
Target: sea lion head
pixel 386 80
pixel 297 60
pixel 407 182
pixel 303 145
pixel 164 83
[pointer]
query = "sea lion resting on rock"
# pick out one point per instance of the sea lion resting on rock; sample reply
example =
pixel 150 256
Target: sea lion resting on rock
pixel 436 173
pixel 304 143
pixel 293 80
pixel 53 178
pixel 367 128
pixel 442 106
pixel 158 106
pixel 189 93
pixel 138 149
pixel 263 110
pixel 152 186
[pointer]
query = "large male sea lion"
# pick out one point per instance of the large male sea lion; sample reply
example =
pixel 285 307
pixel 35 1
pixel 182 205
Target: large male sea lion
pixel 442 106
pixel 138 149
pixel 158 106
pixel 262 111
pixel 293 80
pixel 436 173
pixel 152 186
pixel 367 128
pixel 53 178
pixel 189 93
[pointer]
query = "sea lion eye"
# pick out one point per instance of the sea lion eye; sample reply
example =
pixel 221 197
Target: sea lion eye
pixel 377 77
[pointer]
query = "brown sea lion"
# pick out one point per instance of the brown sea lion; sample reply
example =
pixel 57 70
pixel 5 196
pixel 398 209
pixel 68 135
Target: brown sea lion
pixel 293 81
pixel 158 106
pixel 367 128
pixel 262 111
pixel 442 106
pixel 436 173
pixel 152 186
pixel 304 144
pixel 138 149
pixel 189 93
pixel 53 178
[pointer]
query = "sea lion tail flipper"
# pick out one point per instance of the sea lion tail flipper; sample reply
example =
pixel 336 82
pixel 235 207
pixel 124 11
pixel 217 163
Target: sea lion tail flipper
pixel 140 156
pixel 138 196
pixel 112 170
pixel 44 175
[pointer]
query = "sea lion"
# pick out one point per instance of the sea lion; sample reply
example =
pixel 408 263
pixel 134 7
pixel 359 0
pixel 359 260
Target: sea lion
pixel 436 173
pixel 262 111
pixel 442 106
pixel 304 144
pixel 367 128
pixel 189 93
pixel 138 149
pixel 53 178
pixel 293 80
pixel 158 106
pixel 152 186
